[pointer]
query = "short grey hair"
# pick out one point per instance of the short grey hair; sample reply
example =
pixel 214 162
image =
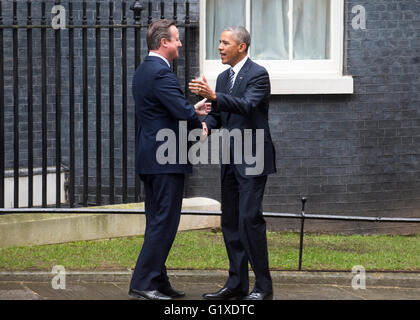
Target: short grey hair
pixel 241 34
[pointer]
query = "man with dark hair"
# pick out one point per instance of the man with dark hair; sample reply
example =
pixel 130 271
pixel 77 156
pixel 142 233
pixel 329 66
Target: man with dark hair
pixel 158 30
pixel 160 104
pixel 240 101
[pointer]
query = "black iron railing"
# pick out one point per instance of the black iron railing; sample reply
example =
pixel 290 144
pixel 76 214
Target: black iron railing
pixel 79 76
pixel 301 216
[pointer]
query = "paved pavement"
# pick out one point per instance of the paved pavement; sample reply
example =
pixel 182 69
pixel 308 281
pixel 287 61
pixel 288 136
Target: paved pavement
pixel 287 285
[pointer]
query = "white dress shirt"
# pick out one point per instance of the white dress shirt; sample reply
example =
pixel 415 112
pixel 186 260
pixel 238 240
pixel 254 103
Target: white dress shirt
pixel 238 68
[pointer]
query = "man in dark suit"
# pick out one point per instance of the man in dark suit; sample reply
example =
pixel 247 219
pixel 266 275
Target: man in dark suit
pixel 160 105
pixel 241 102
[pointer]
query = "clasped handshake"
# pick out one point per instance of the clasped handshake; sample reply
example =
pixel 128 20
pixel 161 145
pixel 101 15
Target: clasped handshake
pixel 202 108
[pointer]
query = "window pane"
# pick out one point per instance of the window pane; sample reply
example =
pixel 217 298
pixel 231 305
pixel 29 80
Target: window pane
pixel 221 14
pixel 311 25
pixel 269 30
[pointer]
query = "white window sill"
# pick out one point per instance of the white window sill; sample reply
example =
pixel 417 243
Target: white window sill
pixel 312 84
pixel 304 84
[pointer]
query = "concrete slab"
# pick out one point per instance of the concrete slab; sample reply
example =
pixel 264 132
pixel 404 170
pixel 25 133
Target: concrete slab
pixel 79 291
pixel 373 279
pixel 385 293
pixel 16 291
pixel 37 229
pixel 195 283
pixel 311 292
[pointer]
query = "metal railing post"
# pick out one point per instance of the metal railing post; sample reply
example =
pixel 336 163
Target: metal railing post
pixel 137 8
pixel 302 224
pixel 2 113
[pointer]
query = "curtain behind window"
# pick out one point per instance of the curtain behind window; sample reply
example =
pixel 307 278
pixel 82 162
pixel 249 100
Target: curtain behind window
pixel 221 14
pixel 311 29
pixel 269 30
pixel 270 27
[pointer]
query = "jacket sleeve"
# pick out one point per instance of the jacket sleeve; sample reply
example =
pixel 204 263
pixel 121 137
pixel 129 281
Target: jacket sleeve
pixel 257 89
pixel 213 120
pixel 170 95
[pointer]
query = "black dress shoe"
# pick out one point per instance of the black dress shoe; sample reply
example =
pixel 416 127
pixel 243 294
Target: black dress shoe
pixel 259 296
pixel 149 295
pixel 224 294
pixel 171 292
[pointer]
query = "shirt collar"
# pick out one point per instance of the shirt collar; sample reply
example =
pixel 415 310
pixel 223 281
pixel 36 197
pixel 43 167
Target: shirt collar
pixel 239 65
pixel 154 54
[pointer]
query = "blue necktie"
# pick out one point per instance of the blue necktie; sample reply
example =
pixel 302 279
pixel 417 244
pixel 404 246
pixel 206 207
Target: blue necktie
pixel 231 75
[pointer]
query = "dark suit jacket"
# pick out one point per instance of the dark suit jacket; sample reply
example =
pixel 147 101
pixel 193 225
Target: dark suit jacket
pixel 160 104
pixel 245 108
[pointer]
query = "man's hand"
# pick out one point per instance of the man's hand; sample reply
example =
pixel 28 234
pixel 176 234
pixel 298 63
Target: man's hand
pixel 202 108
pixel 203 89
pixel 205 132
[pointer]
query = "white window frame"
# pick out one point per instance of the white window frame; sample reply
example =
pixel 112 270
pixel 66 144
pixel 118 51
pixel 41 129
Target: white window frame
pixel 293 76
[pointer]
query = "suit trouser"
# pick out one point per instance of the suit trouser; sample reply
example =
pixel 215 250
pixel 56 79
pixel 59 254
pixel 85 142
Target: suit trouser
pixel 244 230
pixel 163 203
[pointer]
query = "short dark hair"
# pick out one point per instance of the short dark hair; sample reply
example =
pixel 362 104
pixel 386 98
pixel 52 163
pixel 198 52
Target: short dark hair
pixel 157 31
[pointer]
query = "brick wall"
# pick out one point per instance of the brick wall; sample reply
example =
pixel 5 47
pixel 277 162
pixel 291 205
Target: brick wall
pixel 51 85
pixel 353 154
pixel 349 154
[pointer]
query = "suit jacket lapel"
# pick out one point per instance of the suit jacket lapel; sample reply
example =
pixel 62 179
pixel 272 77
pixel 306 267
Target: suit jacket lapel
pixel 241 75
pixel 238 81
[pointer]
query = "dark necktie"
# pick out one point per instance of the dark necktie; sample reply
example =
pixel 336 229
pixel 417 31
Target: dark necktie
pixel 231 75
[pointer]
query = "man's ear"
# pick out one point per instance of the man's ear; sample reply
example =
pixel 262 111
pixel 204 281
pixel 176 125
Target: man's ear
pixel 242 47
pixel 163 42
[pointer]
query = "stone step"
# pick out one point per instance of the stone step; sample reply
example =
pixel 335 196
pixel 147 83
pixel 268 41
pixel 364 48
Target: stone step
pixel 37 229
